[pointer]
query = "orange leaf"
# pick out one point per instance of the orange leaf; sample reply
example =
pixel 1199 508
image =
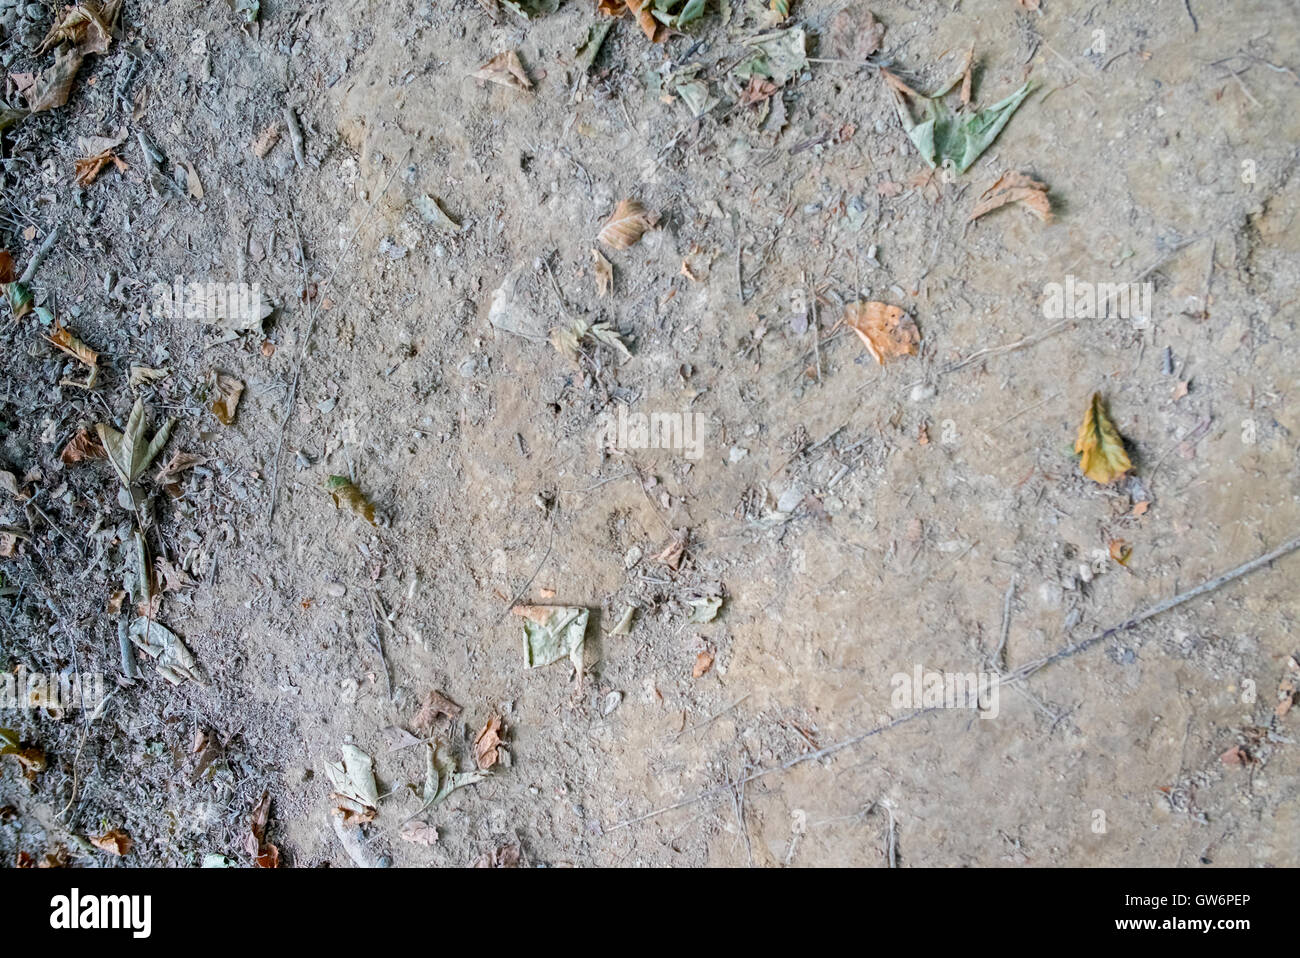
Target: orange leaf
pixel 1014 188
pixel 885 330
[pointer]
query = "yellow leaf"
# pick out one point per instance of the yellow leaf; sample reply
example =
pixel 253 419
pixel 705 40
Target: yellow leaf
pixel 1100 446
pixel 346 493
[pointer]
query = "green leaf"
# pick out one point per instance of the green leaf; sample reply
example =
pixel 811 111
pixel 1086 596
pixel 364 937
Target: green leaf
pixel 128 451
pixel 943 138
pixel 20 299
pixel 552 633
pixel 777 56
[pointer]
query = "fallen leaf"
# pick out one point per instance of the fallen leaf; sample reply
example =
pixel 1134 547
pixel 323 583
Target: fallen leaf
pixel 854 33
pixel 704 608
pixel 624 626
pixel 441 777
pixel 63 339
pixel 943 138
pixel 672 554
pixel 225 392
pixel 434 705
pixel 345 492
pixel 506 856
pixel 177 464
pixel 885 330
pixel 20 299
pixel 53 87
pixel 266 141
pixel 31 759
pixel 1013 187
pixel 263 853
pixel 419 833
pixel 87 169
pixel 116 842
pixel 7 273
pixel 551 633
pixel 1099 445
pixel 353 778
pixel 642 10
pixel 88 26
pixel 505 69
pixel 604 273
pixel 172 658
pixel 627 224
pixel 1181 389
pixel 1236 757
pixel 81 447
pixel 128 451
pixel 192 182
pixel 144 375
pixel 114 606
pixel 487 744
pixel 703 662
pixel 1140 508
pixel 1120 551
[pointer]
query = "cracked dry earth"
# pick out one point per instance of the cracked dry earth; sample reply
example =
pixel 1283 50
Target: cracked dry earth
pixel 858 520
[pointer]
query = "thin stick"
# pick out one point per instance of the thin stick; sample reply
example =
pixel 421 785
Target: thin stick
pixel 1072 650
pixel 1012 676
pixel 311 328
pixel 41 252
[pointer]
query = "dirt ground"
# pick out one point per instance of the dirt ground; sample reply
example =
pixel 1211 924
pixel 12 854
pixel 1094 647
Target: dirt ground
pixel 858 520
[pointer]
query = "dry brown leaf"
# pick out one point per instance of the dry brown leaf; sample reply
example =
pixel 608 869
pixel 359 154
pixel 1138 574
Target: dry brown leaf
pixel 419 833
pixel 192 182
pixel 53 87
pixel 651 27
pixel 114 606
pixel 604 273
pixel 345 493
pixel 611 8
pixel 1236 757
pixel 885 330
pixel 63 339
pixel 434 705
pixel 7 274
pixel 1181 389
pixel 703 662
pixel 84 445
pixel 1099 445
pixel 854 33
pixel 226 391
pixel 506 856
pixel 89 168
pixel 263 853
pixel 88 26
pixel 115 842
pixel 759 89
pixel 627 224
pixel 266 141
pixel 672 554
pixel 1120 551
pixel 505 69
pixel 1140 508
pixel 179 463
pixel 8 544
pixel 1012 187
pixel 487 744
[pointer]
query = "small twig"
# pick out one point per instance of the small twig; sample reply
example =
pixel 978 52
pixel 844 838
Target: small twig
pixel 41 252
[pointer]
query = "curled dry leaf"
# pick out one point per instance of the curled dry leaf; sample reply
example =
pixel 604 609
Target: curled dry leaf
pixel 115 842
pixel 81 447
pixel 419 833
pixel 642 10
pixel 435 704
pixel 63 339
pixel 604 273
pixel 628 224
pixel 1013 187
pixel 143 375
pixel 179 462
pixel 505 69
pixel 703 662
pixel 263 853
pixel 506 856
pixel 88 26
pixel 88 168
pixel 487 744
pixel 1100 447
pixel 226 391
pixel 345 493
pixel 854 33
pixel 1120 551
pixel 885 330
pixel 53 87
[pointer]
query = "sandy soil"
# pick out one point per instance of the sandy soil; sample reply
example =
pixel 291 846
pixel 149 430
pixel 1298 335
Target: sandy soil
pixel 858 520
